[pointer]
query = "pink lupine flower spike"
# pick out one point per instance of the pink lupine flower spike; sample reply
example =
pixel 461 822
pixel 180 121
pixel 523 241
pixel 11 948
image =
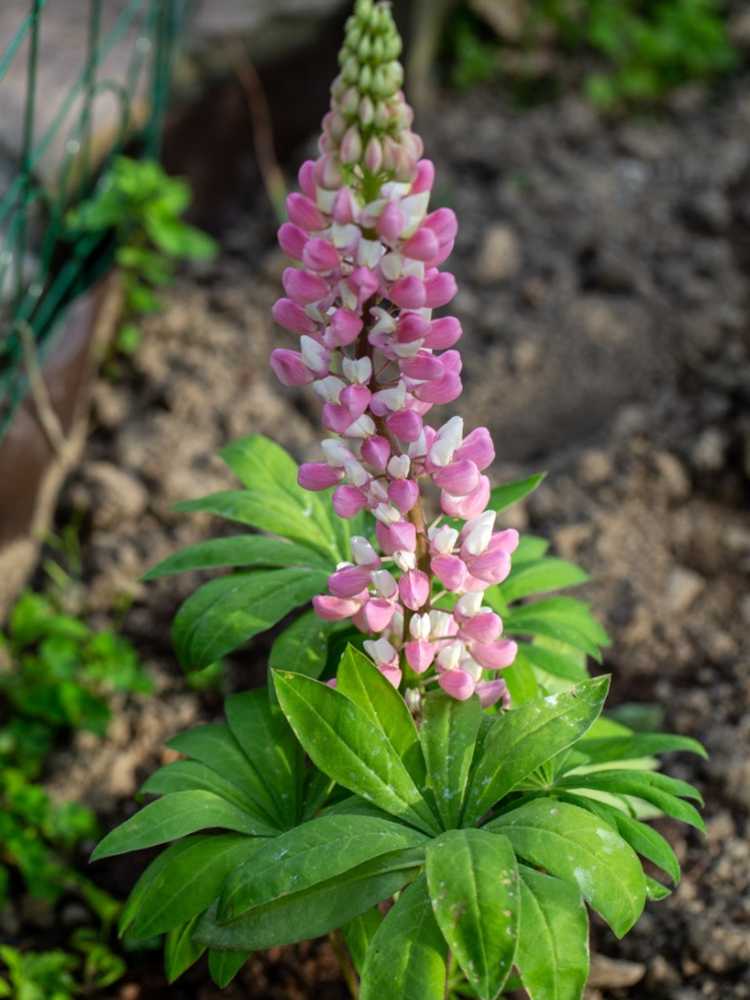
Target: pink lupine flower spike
pixel 366 278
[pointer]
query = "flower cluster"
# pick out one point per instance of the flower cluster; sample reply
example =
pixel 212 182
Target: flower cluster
pixel 361 298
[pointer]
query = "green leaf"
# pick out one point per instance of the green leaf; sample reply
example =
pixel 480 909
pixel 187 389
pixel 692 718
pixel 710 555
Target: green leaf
pixel 406 958
pixel 521 740
pixel 223 614
pixel 553 938
pixel 563 618
pixel 358 934
pixel 530 547
pixel 539 577
pixel 174 816
pixel 655 890
pixel 215 746
pixel 180 951
pixel 188 775
pixel 642 838
pixel 309 854
pixel 182 881
pixel 553 662
pixel 344 743
pixel 303 646
pixel 250 551
pixel 316 911
pixel 658 789
pixel 270 745
pixel 505 496
pixel 270 475
pixel 635 745
pixel 449 734
pixel 473 881
pixel 521 679
pixel 581 849
pixel 361 682
pixel 223 966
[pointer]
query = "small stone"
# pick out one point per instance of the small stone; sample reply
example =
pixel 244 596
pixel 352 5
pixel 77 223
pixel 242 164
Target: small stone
pixel 709 450
pixel 507 19
pixel 708 211
pixel 595 467
pixel 683 587
pixel 570 538
pixel 739 29
pixel 526 355
pixel 738 782
pixel 613 974
pixel 661 973
pixel 74 914
pixel 672 471
pixel 500 256
pixel 117 495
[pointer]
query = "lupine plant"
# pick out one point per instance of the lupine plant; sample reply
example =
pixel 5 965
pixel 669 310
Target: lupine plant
pixel 428 777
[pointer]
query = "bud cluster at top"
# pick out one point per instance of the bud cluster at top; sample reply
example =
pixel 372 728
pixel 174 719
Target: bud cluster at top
pixel 361 296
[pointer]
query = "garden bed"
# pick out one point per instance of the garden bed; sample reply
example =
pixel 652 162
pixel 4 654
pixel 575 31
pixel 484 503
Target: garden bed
pixel 604 293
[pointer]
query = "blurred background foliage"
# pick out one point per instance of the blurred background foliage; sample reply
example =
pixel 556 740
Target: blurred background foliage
pixel 621 53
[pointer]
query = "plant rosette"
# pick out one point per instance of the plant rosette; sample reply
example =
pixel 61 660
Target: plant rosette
pixel 428 775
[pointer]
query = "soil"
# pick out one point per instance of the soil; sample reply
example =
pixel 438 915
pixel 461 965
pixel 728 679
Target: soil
pixel 605 296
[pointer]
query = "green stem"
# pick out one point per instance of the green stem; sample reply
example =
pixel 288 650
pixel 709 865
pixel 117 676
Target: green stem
pixel 345 963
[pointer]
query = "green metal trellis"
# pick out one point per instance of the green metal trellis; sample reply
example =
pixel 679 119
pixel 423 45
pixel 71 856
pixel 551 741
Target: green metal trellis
pixel 34 298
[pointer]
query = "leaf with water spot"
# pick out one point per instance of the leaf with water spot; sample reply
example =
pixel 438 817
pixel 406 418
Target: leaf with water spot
pixel 311 853
pixel 522 740
pixel 553 938
pixel 344 742
pixel 579 848
pixel 473 882
pixel 406 956
pixel 223 614
pixel 448 735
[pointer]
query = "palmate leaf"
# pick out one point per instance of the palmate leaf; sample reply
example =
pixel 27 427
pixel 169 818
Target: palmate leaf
pixel 521 679
pixel 317 910
pixel 642 838
pixel 189 775
pixel 579 848
pixel 360 680
pixel 658 789
pixel 521 740
pixel 562 618
pixel 343 742
pixel 406 956
pixel 271 748
pixel 314 852
pixel 303 645
pixel 635 745
pixel 248 551
pixel 182 881
pixel 473 884
pixel 223 614
pixel 177 815
pixel 265 469
pixel 448 735
pixel 215 746
pixel 553 938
